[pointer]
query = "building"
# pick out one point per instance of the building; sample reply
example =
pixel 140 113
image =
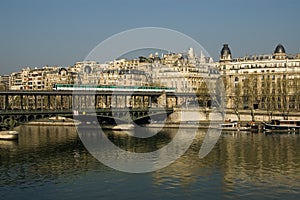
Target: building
pixel 4 82
pixel 19 80
pixel 187 72
pixel 268 82
pixel 39 78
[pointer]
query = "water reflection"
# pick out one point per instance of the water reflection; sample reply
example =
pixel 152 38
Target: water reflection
pixel 124 139
pixel 239 166
pixel 261 162
pixel 137 155
pixel 43 154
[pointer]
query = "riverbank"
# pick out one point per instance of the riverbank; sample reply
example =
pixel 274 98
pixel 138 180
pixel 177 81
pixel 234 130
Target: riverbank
pixel 186 125
pixel 54 121
pixel 61 121
pixel 184 118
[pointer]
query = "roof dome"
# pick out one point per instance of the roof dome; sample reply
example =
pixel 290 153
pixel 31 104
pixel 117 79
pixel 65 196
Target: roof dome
pixel 279 49
pixel 225 53
pixel 225 50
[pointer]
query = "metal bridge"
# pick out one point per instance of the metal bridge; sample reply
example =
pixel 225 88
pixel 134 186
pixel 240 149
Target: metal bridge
pixel 17 107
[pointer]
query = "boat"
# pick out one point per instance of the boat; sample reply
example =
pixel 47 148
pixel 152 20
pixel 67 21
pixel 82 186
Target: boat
pixel 278 125
pixel 8 135
pixel 54 121
pixel 254 126
pixel 119 127
pixel 233 126
pixel 123 127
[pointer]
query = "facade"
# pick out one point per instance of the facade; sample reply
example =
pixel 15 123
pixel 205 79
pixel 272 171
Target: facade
pixel 118 72
pixel 39 79
pixel 268 82
pixel 18 80
pixel 186 72
pixel 4 82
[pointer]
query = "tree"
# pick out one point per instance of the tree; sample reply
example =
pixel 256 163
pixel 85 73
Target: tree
pixel 237 97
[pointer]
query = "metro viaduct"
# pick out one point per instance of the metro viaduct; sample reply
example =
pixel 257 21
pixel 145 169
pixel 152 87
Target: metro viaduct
pixel 17 107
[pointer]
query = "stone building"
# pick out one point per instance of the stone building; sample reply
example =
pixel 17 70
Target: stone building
pixel 118 72
pixel 58 75
pixel 18 80
pixel 186 72
pixel 268 82
pixel 39 78
pixel 4 82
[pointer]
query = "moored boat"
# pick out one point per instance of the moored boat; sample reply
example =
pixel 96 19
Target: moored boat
pixel 233 126
pixel 8 135
pixel 254 126
pixel 123 127
pixel 278 125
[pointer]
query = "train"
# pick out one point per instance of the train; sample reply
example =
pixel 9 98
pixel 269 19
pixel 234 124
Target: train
pixel 76 87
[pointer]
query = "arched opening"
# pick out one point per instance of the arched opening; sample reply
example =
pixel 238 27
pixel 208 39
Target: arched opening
pixel 87 69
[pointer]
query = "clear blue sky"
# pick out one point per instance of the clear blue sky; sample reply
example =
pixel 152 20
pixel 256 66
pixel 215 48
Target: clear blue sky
pixel 36 32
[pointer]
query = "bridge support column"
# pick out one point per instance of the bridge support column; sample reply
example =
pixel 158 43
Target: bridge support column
pixel 148 101
pixel 6 102
pixel 142 101
pixel 162 100
pixel 12 102
pixel 21 102
pixel 49 102
pixel 96 103
pixel 115 100
pixel 35 102
pixel 70 102
pixel 73 101
pixel 42 102
pixel 133 101
pixel 61 101
pixel 108 101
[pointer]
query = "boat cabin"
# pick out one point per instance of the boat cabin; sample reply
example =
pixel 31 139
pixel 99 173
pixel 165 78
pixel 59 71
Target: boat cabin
pixel 285 122
pixel 229 125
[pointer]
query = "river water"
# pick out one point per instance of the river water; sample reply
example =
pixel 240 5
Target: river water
pixel 51 162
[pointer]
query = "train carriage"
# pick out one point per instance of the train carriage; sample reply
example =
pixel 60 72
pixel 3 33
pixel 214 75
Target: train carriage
pixel 75 87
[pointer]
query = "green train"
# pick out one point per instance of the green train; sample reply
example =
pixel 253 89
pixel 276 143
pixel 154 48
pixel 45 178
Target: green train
pixel 75 87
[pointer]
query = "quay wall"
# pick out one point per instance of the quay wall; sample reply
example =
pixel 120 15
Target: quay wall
pixel 182 115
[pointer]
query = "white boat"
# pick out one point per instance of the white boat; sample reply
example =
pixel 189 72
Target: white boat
pixel 233 126
pixel 282 126
pixel 123 127
pixel 8 135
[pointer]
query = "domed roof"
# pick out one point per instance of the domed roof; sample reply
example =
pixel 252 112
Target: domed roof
pixel 225 50
pixel 156 58
pixel 279 49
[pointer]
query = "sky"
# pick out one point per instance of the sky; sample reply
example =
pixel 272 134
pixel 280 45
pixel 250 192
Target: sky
pixel 35 33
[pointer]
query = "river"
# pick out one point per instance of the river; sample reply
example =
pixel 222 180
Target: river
pixel 51 162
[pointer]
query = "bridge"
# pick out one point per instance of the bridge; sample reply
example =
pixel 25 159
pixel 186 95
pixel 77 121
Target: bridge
pixel 17 107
